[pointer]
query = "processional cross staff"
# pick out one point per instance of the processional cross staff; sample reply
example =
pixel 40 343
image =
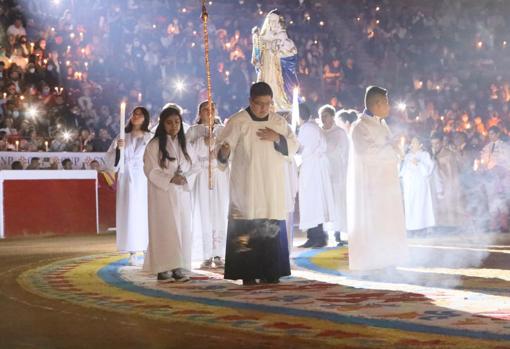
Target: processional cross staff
pixel 205 18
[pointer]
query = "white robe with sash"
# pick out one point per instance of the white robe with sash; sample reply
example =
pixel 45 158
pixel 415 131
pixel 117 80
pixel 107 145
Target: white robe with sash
pixel 210 207
pixel 131 203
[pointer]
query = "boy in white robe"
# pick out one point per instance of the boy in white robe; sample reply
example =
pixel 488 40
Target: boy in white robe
pixel 337 153
pixel 375 212
pixel 316 205
pixel 258 142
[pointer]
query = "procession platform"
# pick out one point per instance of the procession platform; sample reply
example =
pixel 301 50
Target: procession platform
pixel 77 292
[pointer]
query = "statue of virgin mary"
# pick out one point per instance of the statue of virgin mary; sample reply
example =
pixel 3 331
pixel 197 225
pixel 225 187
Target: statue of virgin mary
pixel 274 56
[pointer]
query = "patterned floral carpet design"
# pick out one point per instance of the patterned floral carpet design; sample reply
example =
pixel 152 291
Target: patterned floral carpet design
pixel 406 308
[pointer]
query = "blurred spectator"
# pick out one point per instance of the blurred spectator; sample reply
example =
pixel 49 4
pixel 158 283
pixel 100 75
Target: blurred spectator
pixel 67 164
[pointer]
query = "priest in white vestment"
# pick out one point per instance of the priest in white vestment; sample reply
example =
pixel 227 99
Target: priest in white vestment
pixel 375 213
pixel 132 231
pixel 170 166
pixel 337 153
pixel 210 206
pixel 258 142
pixel 416 175
pixel 316 205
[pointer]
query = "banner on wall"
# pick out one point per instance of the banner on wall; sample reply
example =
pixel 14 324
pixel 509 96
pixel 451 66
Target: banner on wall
pixel 80 161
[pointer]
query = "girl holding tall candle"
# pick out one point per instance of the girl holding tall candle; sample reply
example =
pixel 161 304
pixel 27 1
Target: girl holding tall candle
pixel 131 216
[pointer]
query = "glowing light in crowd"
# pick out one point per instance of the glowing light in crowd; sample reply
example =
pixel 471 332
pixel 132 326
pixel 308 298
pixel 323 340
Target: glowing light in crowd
pixel 321 23
pixel 261 12
pixel 479 44
pixel 377 8
pixel 71 36
pixel 378 21
pixel 307 17
pixel 210 2
pixel 32 112
pixel 505 43
pixel 401 106
pixel 66 135
pixel 180 85
pixel 184 10
pixel 358 19
pixel 291 22
pixel 153 26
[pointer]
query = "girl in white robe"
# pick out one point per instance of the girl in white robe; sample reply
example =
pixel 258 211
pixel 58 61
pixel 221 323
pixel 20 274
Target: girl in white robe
pixel 131 206
pixel 210 207
pixel 170 166
pixel 416 172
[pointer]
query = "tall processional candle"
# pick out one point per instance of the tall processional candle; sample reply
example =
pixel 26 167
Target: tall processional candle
pixel 122 134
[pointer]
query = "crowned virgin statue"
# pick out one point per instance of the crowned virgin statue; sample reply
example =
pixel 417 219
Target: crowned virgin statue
pixel 274 56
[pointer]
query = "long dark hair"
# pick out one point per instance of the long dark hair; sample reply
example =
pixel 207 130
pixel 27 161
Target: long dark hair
pixel 146 120
pixel 162 136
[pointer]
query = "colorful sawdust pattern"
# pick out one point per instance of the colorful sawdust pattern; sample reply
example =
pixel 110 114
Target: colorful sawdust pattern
pixel 325 311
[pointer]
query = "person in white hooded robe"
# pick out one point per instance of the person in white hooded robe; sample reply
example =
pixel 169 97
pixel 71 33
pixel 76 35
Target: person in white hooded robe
pixel 416 173
pixel 210 206
pixel 316 204
pixel 337 153
pixel 170 166
pixel 131 202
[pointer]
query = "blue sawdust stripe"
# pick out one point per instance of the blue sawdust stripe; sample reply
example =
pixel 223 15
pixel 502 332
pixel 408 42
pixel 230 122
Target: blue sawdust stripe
pixel 111 275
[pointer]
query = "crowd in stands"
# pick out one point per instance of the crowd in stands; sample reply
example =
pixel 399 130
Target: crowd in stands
pixel 66 65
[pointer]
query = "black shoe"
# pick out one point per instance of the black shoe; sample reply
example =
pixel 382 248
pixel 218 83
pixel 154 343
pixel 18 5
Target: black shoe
pixel 307 244
pixel 320 244
pixel 165 276
pixel 179 276
pixel 341 243
pixel 249 282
